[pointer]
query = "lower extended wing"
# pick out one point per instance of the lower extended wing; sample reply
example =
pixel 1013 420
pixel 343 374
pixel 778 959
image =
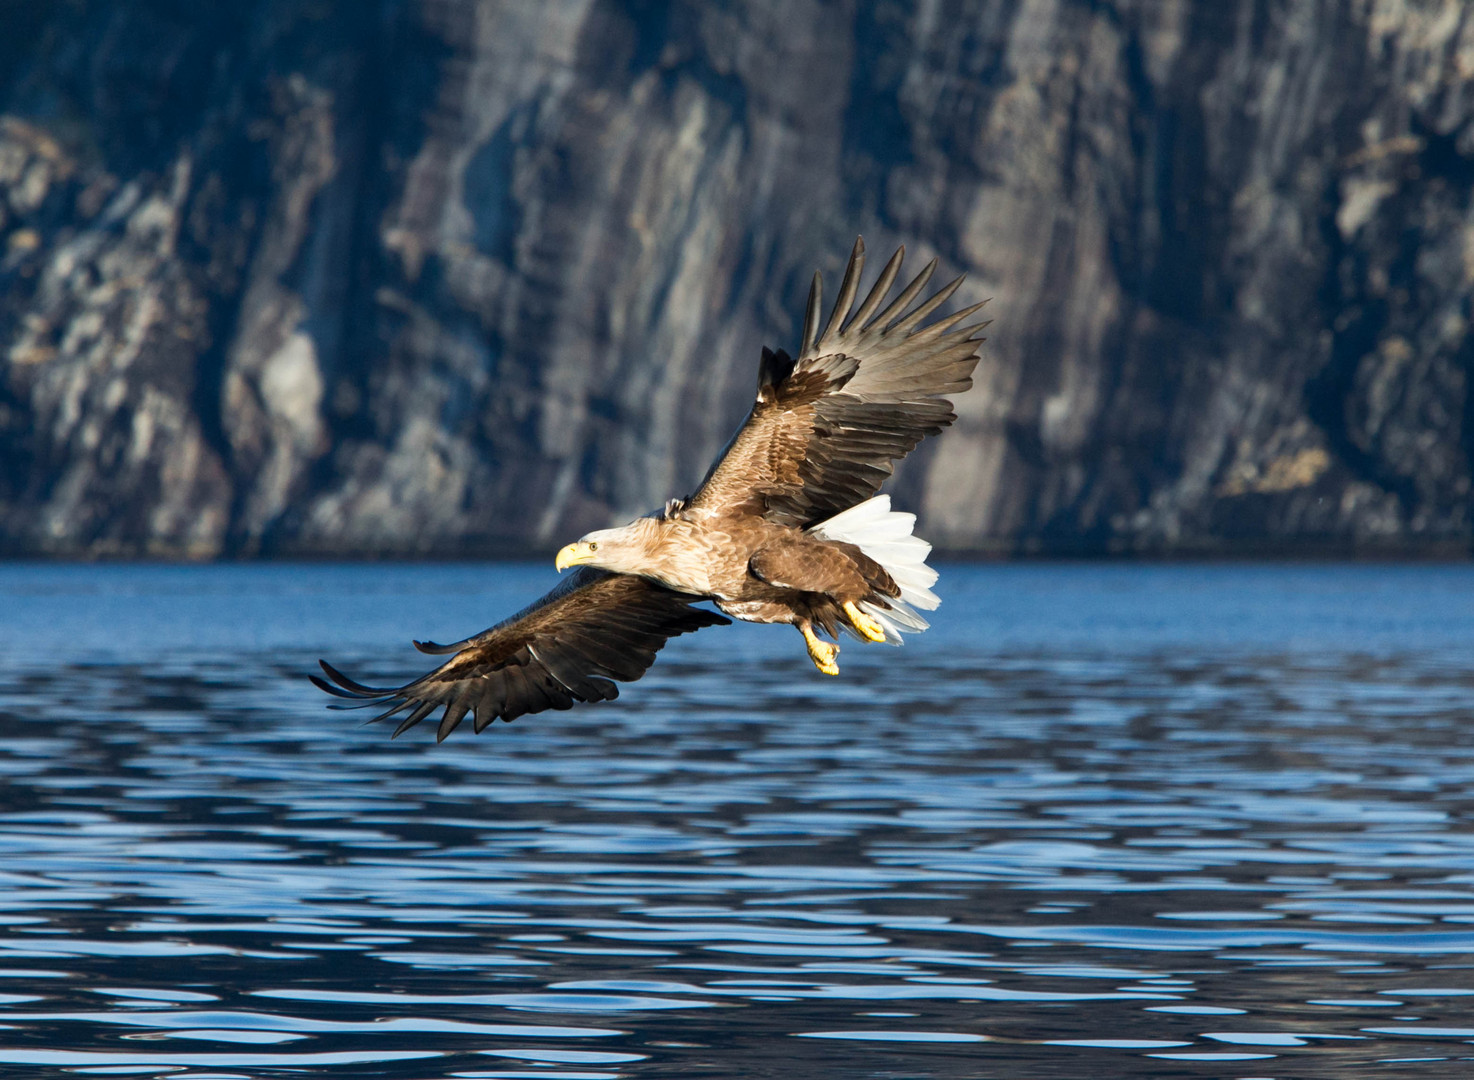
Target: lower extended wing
pixel 566 647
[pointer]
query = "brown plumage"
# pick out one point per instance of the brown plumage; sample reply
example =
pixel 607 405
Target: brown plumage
pixel 594 626
pixel 783 528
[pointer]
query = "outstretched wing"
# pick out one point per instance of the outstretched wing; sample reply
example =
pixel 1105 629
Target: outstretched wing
pixel 594 627
pixel 827 428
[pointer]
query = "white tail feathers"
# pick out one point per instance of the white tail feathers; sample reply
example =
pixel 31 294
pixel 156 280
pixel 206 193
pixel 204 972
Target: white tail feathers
pixel 885 535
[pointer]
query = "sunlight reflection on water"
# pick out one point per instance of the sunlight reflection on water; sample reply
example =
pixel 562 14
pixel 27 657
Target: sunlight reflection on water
pixel 1109 817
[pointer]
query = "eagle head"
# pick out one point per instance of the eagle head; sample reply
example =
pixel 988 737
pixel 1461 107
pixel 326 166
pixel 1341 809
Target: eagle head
pixel 625 550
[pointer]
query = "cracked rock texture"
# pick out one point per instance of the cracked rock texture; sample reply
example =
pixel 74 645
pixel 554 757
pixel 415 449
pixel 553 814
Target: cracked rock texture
pixel 466 276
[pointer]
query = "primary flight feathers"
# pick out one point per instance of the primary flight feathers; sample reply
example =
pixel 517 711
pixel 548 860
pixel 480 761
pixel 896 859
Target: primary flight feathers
pixel 593 627
pixel 827 427
pixel 783 528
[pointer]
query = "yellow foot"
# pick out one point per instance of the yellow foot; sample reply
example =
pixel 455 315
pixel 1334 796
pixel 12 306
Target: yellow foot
pixel 821 652
pixel 867 626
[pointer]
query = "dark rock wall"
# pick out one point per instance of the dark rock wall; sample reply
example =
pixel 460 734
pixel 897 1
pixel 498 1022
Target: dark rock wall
pixel 413 276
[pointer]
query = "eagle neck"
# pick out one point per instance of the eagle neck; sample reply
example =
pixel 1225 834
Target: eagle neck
pixel 679 556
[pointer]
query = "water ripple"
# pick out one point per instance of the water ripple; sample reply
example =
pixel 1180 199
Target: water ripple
pixel 1097 815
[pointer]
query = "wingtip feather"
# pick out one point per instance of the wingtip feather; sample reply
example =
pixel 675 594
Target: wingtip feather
pixel 877 293
pixel 811 314
pixel 328 688
pixel 897 308
pixel 849 285
pixel 349 684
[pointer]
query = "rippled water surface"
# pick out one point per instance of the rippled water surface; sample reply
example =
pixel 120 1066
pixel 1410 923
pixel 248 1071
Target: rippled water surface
pixel 1121 821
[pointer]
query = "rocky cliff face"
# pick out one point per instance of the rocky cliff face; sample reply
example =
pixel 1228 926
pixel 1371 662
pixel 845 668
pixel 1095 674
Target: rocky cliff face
pixel 411 276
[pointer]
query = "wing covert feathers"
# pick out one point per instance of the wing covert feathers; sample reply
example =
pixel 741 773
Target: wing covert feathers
pixel 592 628
pixel 828 427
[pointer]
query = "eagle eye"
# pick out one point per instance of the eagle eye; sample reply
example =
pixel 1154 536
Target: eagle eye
pixel 594 545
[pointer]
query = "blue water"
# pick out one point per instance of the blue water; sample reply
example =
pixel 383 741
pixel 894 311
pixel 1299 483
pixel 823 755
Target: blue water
pixel 1101 820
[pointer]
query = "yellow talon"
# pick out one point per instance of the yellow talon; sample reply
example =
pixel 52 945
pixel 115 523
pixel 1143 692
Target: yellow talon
pixel 821 652
pixel 867 626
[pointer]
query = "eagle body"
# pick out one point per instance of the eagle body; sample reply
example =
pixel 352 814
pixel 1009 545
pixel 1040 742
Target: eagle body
pixel 740 559
pixel 786 527
pixel 751 568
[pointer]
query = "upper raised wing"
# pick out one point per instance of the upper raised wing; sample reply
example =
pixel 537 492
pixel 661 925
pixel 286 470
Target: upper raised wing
pixel 593 627
pixel 827 428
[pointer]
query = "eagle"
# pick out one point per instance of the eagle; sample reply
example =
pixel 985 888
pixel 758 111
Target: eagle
pixel 786 527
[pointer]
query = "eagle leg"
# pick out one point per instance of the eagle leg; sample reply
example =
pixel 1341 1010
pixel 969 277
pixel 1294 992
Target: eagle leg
pixel 868 627
pixel 820 652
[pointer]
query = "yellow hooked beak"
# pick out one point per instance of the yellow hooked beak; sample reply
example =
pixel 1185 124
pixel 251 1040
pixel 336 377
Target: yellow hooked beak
pixel 575 555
